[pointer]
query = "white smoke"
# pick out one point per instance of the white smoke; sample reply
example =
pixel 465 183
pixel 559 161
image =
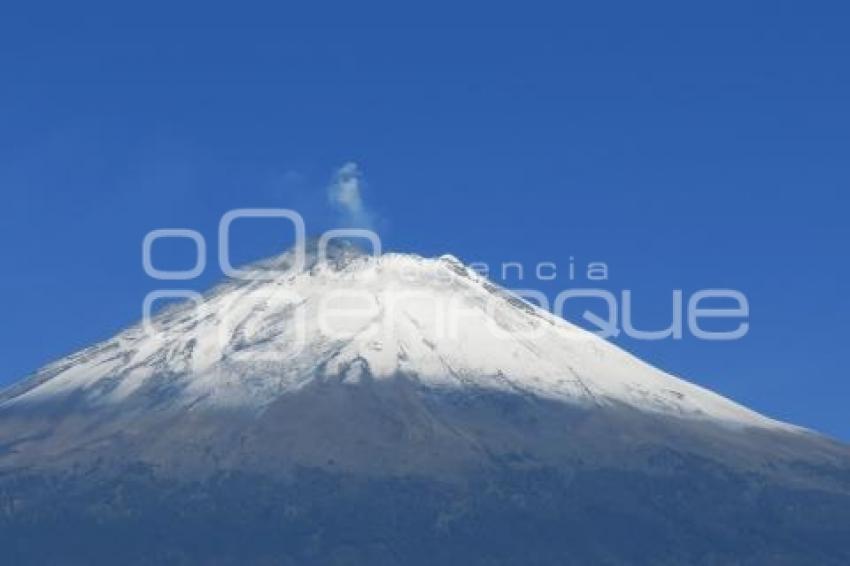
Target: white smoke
pixel 345 194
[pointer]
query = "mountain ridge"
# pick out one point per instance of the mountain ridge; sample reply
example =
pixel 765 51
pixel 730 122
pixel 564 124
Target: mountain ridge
pixel 492 384
pixel 381 280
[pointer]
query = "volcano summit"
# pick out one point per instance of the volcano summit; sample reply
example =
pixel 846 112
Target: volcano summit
pixel 397 410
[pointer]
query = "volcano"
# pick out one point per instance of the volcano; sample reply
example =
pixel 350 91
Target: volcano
pixel 397 410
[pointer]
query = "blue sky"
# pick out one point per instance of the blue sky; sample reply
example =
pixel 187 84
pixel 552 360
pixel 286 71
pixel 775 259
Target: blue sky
pixel 687 148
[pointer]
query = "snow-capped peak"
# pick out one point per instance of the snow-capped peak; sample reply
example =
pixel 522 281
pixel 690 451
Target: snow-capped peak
pixel 349 316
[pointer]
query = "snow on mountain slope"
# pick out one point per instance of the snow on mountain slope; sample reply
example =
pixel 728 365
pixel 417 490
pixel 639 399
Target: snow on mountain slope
pixel 250 342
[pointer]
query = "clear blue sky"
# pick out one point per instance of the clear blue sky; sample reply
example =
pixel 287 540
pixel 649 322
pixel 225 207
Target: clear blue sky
pixel 687 147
